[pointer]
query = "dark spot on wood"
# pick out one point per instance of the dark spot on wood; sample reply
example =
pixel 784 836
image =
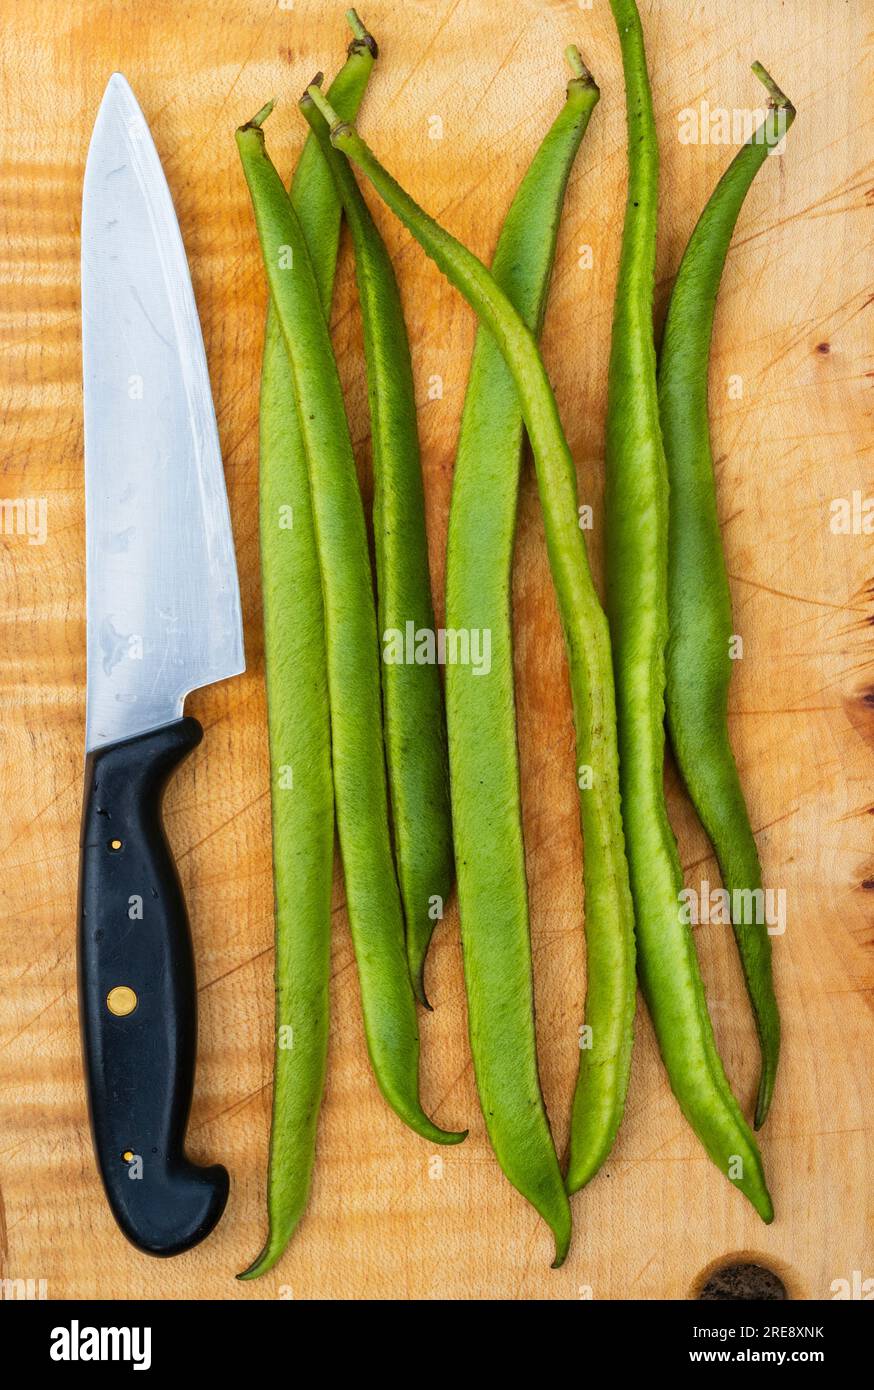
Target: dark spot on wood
pixel 868 884
pixel 749 1282
pixel 824 348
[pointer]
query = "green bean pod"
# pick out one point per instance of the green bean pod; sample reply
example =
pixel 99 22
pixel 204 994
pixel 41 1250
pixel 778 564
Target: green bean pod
pixel 298 722
pixel 608 902
pixel 352 655
pixel 413 714
pixel 637 554
pixel 699 601
pixel 481 711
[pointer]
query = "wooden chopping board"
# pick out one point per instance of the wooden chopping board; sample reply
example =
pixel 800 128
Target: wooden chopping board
pixel 388 1219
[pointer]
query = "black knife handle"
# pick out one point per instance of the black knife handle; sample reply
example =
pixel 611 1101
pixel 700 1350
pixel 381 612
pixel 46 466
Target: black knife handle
pixel 137 998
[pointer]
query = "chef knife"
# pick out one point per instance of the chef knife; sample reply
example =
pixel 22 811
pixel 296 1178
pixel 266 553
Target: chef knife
pixel 163 619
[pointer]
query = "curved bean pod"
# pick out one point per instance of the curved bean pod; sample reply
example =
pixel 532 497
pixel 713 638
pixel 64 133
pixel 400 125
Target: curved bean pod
pixel 608 902
pixel 373 900
pixel 637 551
pixel 699 600
pixel 298 724
pixel 481 711
pixel 413 715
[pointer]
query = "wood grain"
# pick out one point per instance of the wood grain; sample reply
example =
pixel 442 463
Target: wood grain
pixel 387 1218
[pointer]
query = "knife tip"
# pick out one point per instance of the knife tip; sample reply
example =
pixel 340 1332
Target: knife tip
pixel 118 82
pixel 118 91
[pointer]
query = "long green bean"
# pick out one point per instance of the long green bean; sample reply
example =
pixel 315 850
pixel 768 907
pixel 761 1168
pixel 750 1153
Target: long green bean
pixel 484 767
pixel 637 552
pixel 699 601
pixel 298 722
pixel 608 902
pixel 373 899
pixel 413 715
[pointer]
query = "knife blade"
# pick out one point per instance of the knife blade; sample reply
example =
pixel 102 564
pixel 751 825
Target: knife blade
pixel 163 619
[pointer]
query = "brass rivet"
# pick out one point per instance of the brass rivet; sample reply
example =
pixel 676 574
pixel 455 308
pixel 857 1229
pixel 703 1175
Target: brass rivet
pixel 115 845
pixel 128 1156
pixel 121 1001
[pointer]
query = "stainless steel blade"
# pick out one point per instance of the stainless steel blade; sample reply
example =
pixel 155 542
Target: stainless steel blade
pixel 163 598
